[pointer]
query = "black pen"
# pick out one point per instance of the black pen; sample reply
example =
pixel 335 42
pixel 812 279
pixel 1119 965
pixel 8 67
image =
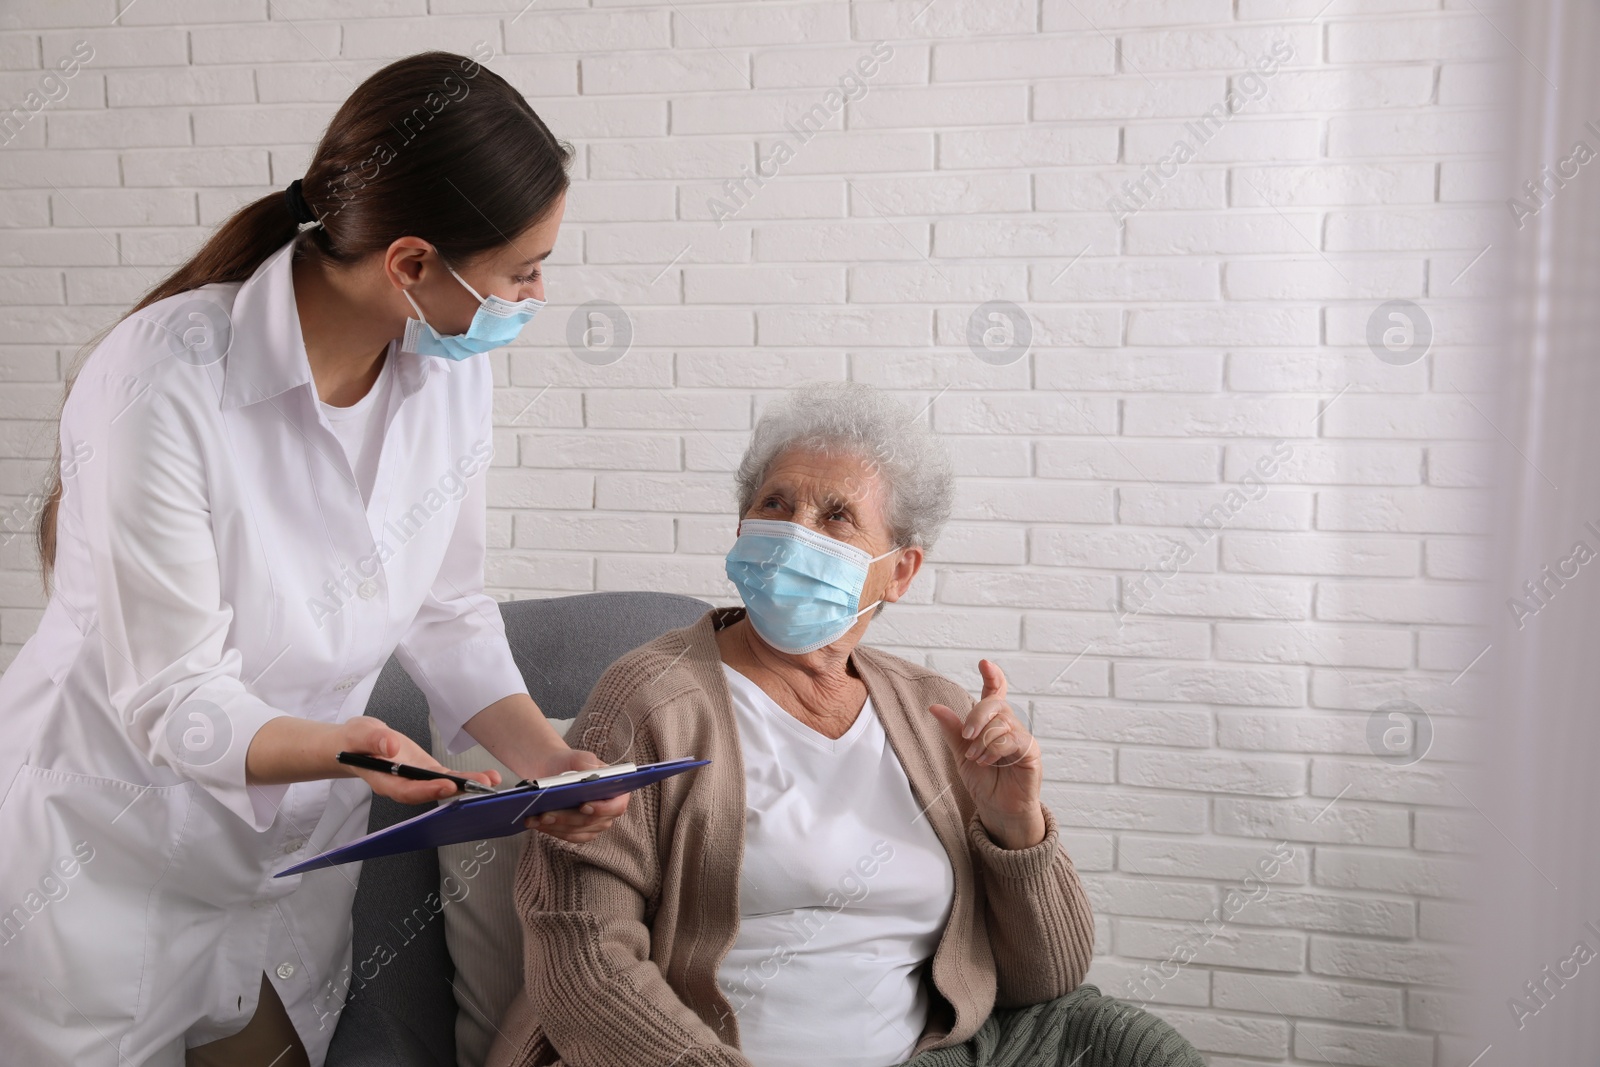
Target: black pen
pixel 405 770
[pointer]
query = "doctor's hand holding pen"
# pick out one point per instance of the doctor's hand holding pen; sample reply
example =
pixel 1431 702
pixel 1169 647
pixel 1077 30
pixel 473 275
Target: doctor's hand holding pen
pixel 291 749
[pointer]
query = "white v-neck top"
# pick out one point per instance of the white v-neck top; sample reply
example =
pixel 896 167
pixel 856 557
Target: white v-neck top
pixel 843 894
pixel 359 427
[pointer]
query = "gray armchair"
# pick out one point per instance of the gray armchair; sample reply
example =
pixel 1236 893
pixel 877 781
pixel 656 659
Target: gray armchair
pixel 405 1016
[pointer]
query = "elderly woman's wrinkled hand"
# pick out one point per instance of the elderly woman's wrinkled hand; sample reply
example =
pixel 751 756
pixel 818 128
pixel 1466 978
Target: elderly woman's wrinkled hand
pixel 999 762
pixel 577 825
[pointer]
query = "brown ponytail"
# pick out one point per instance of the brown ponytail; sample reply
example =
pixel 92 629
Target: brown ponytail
pixel 435 146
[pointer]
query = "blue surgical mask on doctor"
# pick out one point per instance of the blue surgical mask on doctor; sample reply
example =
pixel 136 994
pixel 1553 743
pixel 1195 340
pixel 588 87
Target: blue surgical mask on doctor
pixel 801 589
pixel 495 324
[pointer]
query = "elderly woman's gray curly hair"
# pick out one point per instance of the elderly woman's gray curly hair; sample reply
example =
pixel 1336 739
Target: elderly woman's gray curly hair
pixel 856 419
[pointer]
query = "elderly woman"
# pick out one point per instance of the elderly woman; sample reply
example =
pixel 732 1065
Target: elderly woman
pixel 864 873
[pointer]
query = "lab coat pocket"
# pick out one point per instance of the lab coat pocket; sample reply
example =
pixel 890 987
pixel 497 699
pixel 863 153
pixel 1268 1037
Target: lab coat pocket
pixel 82 889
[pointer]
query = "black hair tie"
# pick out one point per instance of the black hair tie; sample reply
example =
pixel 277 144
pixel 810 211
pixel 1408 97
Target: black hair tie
pixel 299 210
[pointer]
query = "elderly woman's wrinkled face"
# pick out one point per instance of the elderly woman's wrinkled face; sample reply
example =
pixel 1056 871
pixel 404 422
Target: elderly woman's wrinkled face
pixel 815 557
pixel 836 494
pixel 842 496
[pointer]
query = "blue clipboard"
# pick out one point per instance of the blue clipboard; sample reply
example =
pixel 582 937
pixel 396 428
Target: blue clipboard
pixel 471 817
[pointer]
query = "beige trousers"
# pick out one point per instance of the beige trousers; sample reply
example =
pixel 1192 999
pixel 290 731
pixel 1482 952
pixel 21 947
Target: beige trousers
pixel 267 1040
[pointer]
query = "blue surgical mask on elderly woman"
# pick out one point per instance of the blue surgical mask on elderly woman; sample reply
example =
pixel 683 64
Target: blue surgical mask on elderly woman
pixel 495 324
pixel 801 589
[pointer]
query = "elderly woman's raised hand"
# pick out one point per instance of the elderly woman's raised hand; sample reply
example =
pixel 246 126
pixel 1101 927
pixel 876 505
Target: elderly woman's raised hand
pixel 999 762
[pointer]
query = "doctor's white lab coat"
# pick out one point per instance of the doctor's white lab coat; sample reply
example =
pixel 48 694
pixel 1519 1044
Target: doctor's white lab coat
pixel 216 568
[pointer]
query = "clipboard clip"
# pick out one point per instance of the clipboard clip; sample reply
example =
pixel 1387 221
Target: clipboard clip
pixel 570 777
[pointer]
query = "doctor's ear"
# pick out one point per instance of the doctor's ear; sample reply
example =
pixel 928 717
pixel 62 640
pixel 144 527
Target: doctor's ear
pixel 407 258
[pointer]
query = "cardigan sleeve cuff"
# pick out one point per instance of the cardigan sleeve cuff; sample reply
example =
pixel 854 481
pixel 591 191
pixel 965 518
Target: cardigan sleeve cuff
pixel 1022 865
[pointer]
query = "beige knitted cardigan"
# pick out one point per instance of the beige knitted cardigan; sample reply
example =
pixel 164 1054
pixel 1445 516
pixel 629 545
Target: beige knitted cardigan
pixel 624 934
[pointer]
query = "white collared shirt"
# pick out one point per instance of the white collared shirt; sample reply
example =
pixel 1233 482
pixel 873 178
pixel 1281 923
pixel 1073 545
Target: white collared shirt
pixel 216 567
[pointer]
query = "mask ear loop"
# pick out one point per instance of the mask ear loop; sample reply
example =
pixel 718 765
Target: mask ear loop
pixel 870 562
pixel 420 316
pixel 463 281
pixel 483 301
pixel 423 318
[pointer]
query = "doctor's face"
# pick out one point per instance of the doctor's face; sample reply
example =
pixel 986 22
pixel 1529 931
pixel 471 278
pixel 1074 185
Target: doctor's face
pixel 513 272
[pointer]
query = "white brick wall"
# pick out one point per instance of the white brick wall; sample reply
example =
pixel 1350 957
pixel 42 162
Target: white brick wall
pixel 1198 723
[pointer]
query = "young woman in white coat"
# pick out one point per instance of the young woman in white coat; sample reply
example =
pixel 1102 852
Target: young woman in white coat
pixel 271 478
